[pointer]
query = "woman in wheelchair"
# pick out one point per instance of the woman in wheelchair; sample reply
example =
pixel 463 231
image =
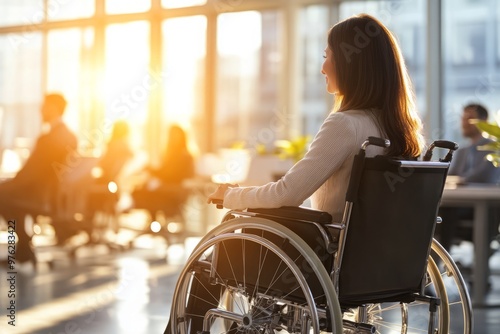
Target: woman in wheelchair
pixel 364 69
pixel 276 269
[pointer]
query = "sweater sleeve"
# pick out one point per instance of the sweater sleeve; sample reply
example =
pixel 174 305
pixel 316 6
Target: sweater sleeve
pixel 330 148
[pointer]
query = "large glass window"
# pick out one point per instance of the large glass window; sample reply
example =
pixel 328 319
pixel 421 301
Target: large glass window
pixel 67 10
pixel 316 102
pixel 469 44
pixel 20 88
pixel 127 78
pixel 248 71
pixel 22 12
pixel 184 72
pixel 267 76
pixel 127 6
pixel 497 45
pixel 471 71
pixel 68 70
pixel 182 3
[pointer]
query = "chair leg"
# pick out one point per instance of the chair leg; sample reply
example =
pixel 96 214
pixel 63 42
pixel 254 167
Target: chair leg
pixel 434 303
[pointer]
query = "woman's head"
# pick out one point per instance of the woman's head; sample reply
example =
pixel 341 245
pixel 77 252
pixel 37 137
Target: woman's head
pixel 365 69
pixel 120 130
pixel 177 141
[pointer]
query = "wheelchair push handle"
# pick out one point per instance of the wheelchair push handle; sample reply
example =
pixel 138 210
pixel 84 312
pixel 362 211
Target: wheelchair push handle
pixel 446 144
pixel 450 145
pixel 381 142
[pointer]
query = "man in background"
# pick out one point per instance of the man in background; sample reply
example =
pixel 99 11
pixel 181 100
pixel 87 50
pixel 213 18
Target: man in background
pixel 35 186
pixel 470 165
pixel 469 162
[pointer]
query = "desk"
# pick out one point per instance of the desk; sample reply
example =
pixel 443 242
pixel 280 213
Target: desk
pixel 480 197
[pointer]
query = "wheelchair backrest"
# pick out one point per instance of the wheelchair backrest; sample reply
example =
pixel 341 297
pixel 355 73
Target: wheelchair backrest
pixel 389 228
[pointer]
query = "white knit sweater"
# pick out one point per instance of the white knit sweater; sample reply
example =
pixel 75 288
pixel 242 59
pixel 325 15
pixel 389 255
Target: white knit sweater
pixel 323 174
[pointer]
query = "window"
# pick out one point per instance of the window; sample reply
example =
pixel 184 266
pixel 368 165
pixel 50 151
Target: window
pixel 127 79
pixel 469 44
pixel 127 6
pixel 497 46
pixel 20 87
pixel 249 63
pixel 22 12
pixel 316 102
pixel 184 3
pixel 470 68
pixel 68 69
pixel 183 74
pixel 262 90
pixel 66 10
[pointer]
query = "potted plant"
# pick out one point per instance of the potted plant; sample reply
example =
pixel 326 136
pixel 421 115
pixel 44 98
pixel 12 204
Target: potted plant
pixel 491 131
pixel 293 149
pixel 271 163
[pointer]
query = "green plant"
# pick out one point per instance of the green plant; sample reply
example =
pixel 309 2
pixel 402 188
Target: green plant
pixel 491 131
pixel 292 149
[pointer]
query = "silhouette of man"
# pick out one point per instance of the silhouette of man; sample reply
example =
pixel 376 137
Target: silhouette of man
pixel 35 186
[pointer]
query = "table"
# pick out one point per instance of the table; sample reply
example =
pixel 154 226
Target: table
pixel 480 197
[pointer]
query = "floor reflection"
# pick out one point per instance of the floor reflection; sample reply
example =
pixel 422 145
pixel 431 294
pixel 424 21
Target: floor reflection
pixel 130 291
pixel 96 292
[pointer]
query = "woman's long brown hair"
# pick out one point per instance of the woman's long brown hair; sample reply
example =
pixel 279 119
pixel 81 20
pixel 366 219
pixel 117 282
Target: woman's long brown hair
pixel 371 74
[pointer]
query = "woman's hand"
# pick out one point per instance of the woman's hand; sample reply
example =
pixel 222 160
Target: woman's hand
pixel 218 195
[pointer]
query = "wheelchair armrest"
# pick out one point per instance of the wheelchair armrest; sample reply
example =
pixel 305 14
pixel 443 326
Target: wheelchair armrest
pixel 295 213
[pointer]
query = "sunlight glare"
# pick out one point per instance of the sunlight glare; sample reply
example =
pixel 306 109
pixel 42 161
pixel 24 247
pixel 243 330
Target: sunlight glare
pixel 127 6
pixel 182 3
pixel 155 226
pixel 184 55
pixel 126 68
pixel 112 187
pixel 239 33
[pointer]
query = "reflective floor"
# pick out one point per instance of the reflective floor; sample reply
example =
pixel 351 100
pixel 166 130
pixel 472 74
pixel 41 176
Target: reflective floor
pixel 129 291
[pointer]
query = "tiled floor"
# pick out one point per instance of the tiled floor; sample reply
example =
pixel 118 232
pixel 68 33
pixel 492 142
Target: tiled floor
pixel 125 292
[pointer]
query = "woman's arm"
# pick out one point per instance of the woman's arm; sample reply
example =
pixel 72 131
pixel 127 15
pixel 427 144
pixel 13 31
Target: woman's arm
pixel 330 148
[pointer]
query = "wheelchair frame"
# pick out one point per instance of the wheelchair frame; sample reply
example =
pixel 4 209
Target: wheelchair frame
pixel 221 287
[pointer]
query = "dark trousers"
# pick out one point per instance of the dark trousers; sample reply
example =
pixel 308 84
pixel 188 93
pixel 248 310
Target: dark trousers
pixel 13 210
pixel 451 230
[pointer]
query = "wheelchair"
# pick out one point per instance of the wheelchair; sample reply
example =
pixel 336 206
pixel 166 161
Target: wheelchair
pixel 293 270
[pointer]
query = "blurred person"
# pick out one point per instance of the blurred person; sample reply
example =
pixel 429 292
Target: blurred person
pixel 118 152
pixel 373 97
pixel 35 186
pixel 177 163
pixel 470 165
pixel 162 189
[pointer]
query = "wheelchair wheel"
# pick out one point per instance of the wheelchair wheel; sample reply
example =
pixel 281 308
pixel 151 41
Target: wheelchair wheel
pixel 238 281
pixel 444 281
pixel 456 293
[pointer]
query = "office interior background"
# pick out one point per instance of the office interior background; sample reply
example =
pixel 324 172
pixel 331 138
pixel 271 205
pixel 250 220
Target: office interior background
pixel 232 72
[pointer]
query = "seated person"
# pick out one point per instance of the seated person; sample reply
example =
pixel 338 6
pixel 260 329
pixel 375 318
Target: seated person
pixel 163 188
pixel 117 153
pixel 470 164
pixel 35 186
pixel 111 163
